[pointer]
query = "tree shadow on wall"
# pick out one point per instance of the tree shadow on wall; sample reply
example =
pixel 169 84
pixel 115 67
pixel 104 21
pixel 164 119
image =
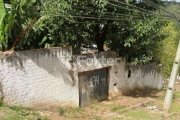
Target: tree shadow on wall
pixel 55 61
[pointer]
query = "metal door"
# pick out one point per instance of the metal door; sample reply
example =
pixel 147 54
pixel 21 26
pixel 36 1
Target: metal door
pixel 93 86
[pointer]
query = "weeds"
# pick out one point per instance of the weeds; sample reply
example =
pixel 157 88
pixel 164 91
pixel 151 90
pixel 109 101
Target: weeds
pixel 1 103
pixel 21 110
pixel 91 107
pixel 18 113
pixel 61 111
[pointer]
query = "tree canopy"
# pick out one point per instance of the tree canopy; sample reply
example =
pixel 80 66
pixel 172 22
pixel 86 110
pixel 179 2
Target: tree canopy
pixel 129 27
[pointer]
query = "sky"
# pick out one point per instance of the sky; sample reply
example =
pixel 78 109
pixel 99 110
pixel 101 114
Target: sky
pixel 171 0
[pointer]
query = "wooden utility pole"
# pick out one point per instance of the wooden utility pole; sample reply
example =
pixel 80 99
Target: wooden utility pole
pixel 172 81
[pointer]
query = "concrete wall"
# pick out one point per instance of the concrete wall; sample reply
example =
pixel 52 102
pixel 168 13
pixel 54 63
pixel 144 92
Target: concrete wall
pixel 39 78
pixel 140 75
pixel 48 77
pixel 132 76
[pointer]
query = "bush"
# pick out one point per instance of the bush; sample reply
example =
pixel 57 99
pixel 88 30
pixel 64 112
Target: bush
pixel 165 50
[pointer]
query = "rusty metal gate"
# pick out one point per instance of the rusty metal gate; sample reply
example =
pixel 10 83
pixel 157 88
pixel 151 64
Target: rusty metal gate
pixel 93 86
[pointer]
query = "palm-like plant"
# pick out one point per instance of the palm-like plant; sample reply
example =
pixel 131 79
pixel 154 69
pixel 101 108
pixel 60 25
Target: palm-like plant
pixel 14 21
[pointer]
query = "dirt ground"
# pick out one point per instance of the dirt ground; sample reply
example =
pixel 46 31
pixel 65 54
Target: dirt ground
pixel 136 104
pixel 139 104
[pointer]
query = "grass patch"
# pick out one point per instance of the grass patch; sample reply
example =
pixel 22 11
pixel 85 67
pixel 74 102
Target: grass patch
pixel 61 111
pixel 177 95
pixel 18 113
pixel 175 106
pixel 77 109
pixel 118 109
pixel 138 114
pixel 76 112
pixel 115 107
pixel 1 104
pixel 91 106
pixel 79 112
pixel 21 110
pixel 108 110
pixel 97 118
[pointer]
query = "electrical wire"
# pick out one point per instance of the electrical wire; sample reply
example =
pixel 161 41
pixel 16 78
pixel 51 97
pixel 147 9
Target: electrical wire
pixel 122 18
pixel 125 15
pixel 148 14
pixel 86 22
pixel 104 13
pixel 130 9
pixel 154 5
pixel 94 18
pixel 104 17
pixel 118 17
pixel 109 14
pixel 123 3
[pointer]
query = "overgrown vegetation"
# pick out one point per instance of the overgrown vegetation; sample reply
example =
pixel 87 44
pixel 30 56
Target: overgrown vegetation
pixel 18 113
pixel 139 35
pixel 165 51
pixel 124 28
pixel 2 12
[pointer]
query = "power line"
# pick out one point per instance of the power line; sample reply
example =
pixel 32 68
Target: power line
pixel 110 17
pixel 88 8
pixel 101 18
pixel 105 17
pixel 154 5
pixel 101 23
pixel 130 9
pixel 150 14
pixel 105 14
pixel 95 18
pixel 123 3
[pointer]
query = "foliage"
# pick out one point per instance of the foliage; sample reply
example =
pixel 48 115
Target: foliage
pixel 165 50
pixel 133 39
pixel 2 11
pixel 61 111
pixel 19 113
pixel 14 21
pixel 173 7
pixel 131 33
pixel 1 103
pixel 137 41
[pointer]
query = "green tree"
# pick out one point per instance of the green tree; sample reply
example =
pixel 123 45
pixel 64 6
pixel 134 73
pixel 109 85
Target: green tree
pixel 15 20
pixel 119 24
pixel 165 50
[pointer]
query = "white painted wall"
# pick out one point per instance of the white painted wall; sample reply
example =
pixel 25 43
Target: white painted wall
pixel 141 75
pixel 46 77
pixel 39 78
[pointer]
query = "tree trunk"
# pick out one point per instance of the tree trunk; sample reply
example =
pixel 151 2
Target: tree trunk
pixel 100 36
